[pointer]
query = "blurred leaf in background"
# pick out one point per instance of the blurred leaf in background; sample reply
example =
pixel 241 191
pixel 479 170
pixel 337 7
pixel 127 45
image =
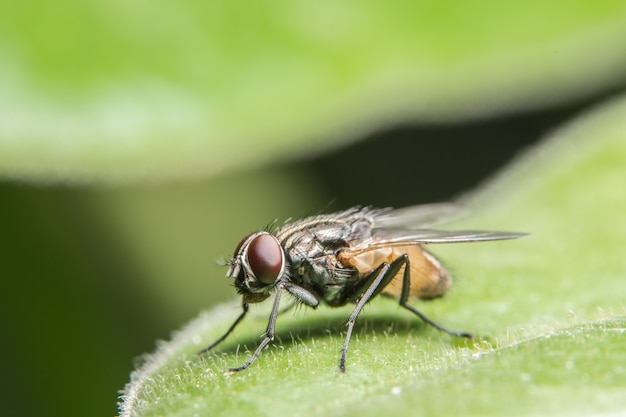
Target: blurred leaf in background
pixel 140 141
pixel 128 90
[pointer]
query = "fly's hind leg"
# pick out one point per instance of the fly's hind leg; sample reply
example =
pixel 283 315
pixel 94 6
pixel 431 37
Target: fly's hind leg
pixel 404 297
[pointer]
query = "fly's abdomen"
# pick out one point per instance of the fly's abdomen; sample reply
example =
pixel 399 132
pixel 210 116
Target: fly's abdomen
pixel 428 278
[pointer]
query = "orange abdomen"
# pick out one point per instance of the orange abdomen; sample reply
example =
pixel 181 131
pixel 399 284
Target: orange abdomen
pixel 429 279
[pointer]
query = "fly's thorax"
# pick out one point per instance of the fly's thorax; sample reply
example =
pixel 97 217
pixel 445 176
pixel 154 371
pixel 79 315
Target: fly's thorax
pixel 323 275
pixel 308 244
pixel 324 234
pixel 258 264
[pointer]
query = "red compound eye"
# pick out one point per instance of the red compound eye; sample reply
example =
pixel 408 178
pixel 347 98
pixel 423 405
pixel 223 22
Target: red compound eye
pixel 265 258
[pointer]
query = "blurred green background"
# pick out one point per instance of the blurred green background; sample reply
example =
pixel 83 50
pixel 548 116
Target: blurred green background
pixel 140 141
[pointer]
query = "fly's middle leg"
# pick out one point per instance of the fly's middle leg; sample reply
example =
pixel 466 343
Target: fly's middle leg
pixel 377 281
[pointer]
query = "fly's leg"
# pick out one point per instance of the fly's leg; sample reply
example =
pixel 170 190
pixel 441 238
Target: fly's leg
pixel 228 332
pixel 377 281
pixel 269 333
pixel 404 297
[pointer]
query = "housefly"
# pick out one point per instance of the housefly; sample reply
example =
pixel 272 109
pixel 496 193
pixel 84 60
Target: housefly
pixel 347 257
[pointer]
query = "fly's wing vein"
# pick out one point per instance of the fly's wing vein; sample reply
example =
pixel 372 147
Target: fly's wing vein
pixel 418 216
pixel 399 237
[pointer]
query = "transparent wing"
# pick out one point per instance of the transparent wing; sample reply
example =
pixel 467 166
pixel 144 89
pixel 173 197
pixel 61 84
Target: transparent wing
pixel 390 236
pixel 417 216
pixel 399 237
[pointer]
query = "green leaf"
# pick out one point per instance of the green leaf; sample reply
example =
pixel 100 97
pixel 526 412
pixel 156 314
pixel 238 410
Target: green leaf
pixel 113 91
pixel 548 311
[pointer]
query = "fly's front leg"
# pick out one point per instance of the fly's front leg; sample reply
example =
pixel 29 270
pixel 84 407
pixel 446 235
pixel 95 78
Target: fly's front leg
pixel 228 332
pixel 404 297
pixel 269 333
pixel 382 276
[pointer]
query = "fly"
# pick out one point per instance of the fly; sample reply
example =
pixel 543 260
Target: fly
pixel 347 257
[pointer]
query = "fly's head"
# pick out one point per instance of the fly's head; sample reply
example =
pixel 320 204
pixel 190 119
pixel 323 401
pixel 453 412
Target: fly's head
pixel 258 264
